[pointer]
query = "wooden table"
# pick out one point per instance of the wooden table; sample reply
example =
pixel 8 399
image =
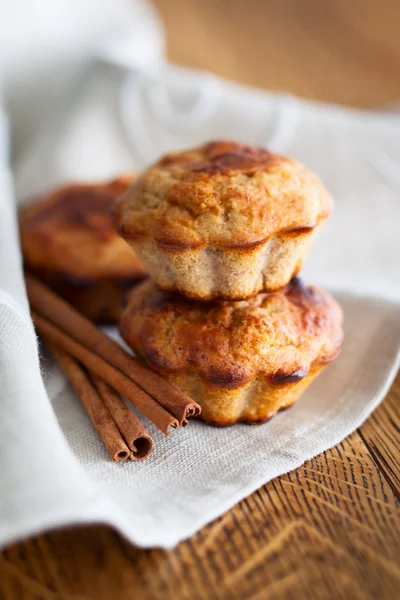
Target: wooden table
pixel 331 528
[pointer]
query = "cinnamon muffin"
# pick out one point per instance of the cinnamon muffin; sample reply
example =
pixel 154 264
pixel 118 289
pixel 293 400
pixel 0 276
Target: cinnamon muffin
pixel 223 220
pixel 241 361
pixel 69 240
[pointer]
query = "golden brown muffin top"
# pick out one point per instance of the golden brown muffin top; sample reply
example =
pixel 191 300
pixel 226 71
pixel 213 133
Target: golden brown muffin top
pixel 223 194
pixel 71 231
pixel 228 343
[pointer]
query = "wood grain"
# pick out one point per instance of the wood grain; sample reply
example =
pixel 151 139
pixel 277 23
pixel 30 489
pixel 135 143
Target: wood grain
pixel 330 529
pixel 332 50
pixel 380 434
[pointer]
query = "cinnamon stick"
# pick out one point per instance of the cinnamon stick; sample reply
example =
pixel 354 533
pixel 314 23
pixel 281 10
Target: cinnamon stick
pixel 132 430
pixel 55 309
pixel 98 413
pixel 125 386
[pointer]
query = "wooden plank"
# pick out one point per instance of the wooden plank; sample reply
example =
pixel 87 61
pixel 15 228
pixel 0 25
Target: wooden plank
pixel 334 51
pixel 381 436
pixel 329 529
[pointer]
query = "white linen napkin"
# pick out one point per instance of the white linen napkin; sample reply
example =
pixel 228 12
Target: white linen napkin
pixel 43 44
pixel 120 120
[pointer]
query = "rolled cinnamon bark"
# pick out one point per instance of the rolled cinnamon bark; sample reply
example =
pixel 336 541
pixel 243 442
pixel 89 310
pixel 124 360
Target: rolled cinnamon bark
pixel 125 386
pixel 98 413
pixel 132 430
pixel 47 304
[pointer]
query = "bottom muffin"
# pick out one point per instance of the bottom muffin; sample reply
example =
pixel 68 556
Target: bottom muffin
pixel 241 361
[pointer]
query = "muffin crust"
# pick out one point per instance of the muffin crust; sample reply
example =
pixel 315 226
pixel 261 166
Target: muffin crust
pixel 69 239
pixel 71 231
pixel 223 220
pixel 242 361
pixel 222 194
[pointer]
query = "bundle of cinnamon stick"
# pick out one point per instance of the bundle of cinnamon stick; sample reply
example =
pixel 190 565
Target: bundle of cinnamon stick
pixel 101 372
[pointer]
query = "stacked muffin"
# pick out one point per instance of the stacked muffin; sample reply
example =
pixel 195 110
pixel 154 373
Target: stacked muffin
pixel 223 230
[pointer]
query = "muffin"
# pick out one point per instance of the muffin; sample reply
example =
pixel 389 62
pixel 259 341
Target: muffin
pixel 69 240
pixel 223 220
pixel 241 361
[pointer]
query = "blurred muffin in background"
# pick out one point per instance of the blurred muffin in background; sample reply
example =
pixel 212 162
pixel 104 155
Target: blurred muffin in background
pixel 69 241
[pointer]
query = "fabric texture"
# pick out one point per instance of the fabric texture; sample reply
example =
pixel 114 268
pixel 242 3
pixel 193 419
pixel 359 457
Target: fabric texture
pixel 54 469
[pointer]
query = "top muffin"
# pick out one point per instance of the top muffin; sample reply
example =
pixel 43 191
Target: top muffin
pixel 223 220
